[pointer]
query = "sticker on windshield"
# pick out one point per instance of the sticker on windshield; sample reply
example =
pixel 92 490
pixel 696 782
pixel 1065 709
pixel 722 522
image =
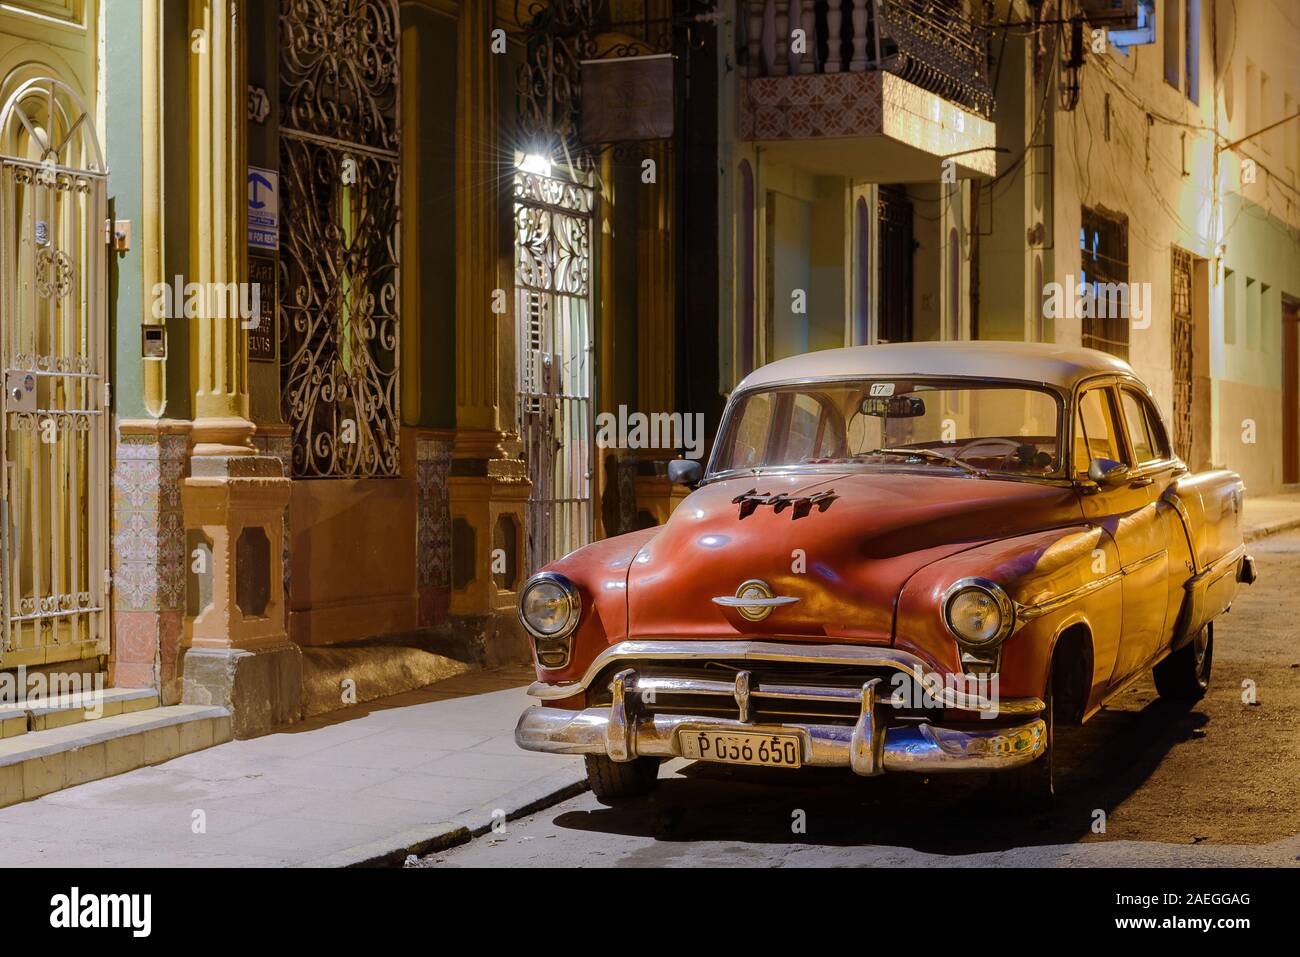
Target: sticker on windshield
pixel 882 388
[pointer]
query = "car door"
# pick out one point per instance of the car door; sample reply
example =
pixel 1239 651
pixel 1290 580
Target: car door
pixel 1148 441
pixel 1129 513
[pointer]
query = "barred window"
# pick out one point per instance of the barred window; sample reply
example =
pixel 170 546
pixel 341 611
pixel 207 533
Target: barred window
pixel 1103 240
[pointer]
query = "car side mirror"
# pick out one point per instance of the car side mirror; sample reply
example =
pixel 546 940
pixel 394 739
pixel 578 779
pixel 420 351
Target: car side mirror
pixel 685 472
pixel 1107 472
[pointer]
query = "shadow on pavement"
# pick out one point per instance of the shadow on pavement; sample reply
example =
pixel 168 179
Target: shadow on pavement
pixel 1098 767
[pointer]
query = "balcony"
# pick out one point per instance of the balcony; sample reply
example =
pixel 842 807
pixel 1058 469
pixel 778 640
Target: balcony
pixel 882 90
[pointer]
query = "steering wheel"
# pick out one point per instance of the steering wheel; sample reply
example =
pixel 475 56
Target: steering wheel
pixel 1004 447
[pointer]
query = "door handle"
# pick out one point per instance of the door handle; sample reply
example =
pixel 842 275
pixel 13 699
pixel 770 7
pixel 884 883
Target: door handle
pixel 1141 483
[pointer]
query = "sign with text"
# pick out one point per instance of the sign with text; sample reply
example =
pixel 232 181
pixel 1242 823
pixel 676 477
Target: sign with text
pixel 264 338
pixel 263 208
pixel 627 98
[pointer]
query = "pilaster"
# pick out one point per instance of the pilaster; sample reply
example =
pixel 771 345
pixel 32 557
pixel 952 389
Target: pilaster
pixel 488 485
pixel 219 223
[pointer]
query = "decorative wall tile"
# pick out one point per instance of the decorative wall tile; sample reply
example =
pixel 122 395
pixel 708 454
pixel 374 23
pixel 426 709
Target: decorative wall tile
pixel 148 527
pixel 813 105
pixel 433 526
pixel 148 536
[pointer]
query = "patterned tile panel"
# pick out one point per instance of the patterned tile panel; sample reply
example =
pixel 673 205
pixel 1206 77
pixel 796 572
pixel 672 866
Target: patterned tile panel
pixel 813 105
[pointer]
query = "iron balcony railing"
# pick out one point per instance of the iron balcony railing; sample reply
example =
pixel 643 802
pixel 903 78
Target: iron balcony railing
pixel 930 43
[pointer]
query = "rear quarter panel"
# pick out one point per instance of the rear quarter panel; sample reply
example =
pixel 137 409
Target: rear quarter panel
pixel 1209 506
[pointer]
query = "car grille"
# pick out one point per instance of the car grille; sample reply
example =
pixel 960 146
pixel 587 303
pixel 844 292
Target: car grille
pixel 779 691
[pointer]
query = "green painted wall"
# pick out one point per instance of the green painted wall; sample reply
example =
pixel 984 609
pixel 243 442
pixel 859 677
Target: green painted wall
pixel 122 142
pixel 1262 248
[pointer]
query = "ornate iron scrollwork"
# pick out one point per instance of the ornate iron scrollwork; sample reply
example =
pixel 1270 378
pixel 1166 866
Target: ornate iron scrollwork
pixel 339 235
pixel 559 36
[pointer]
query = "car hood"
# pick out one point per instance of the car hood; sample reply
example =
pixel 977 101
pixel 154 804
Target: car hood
pixel 844 558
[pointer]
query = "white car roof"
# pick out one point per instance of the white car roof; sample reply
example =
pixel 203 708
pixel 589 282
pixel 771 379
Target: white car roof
pixel 1044 362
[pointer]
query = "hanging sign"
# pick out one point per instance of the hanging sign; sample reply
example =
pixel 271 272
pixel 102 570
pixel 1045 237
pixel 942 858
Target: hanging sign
pixel 627 98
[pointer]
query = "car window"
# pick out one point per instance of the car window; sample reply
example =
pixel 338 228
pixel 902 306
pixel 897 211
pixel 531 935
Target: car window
pixel 806 424
pixel 1155 428
pixel 1005 427
pixel 750 444
pixel 1094 431
pixel 1135 422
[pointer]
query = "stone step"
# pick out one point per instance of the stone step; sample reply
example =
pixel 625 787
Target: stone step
pixel 40 762
pixel 44 714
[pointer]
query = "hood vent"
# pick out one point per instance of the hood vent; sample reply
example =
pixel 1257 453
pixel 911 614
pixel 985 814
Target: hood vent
pixel 800 505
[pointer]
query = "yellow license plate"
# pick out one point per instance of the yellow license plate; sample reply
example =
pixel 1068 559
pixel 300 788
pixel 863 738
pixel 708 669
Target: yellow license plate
pixel 730 747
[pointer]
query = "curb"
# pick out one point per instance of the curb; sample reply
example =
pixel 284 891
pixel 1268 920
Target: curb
pixel 429 838
pixel 1255 534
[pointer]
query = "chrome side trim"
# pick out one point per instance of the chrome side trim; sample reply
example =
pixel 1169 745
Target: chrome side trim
pixel 1046 607
pixel 676 650
pixel 1131 567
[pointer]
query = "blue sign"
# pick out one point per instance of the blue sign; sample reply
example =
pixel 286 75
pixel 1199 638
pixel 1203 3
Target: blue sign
pixel 263 208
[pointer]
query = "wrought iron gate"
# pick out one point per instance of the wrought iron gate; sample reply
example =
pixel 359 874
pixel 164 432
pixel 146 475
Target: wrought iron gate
pixel 553 319
pixel 1180 339
pixel 53 350
pixel 339 243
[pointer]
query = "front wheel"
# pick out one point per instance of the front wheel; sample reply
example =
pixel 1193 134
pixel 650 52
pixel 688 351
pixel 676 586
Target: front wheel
pixel 613 782
pixel 1029 788
pixel 1184 676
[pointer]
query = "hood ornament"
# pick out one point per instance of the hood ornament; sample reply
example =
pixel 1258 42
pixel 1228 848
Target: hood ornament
pixel 754 600
pixel 800 505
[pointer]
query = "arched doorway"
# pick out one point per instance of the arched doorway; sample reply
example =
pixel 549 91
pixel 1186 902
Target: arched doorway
pixel 54 352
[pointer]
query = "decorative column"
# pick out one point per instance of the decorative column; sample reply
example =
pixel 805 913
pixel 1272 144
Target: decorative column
pixel 219 223
pixel 488 487
pixel 236 650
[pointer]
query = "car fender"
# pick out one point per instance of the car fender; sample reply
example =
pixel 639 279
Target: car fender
pixel 1057 578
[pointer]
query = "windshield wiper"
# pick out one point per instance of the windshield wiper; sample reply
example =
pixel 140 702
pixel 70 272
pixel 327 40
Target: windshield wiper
pixel 936 456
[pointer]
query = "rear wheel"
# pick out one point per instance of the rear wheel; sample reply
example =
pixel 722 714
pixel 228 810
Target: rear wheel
pixel 1184 676
pixel 1029 787
pixel 613 782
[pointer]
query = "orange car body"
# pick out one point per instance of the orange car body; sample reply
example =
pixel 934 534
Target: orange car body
pixel 1130 569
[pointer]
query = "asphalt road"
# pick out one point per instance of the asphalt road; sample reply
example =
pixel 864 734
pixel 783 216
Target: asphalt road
pixel 1217 784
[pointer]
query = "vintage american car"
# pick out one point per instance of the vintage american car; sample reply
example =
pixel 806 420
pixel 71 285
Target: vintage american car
pixel 915 557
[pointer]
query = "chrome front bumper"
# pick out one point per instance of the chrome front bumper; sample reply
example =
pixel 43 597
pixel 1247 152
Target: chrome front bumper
pixel 868 747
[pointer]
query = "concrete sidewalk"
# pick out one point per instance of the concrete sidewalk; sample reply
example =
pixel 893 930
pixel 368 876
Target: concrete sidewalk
pixel 1266 515
pixel 369 784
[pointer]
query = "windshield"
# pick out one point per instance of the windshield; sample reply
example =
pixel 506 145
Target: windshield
pixel 945 424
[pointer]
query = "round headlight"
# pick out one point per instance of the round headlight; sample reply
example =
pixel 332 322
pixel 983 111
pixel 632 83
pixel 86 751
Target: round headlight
pixel 978 612
pixel 549 606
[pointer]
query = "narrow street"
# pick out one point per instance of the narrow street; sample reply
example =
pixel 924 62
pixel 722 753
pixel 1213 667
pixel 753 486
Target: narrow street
pixel 1216 785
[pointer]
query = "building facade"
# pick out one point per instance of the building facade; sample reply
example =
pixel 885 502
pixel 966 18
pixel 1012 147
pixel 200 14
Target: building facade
pixel 1017 157
pixel 330 296
pixel 463 268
